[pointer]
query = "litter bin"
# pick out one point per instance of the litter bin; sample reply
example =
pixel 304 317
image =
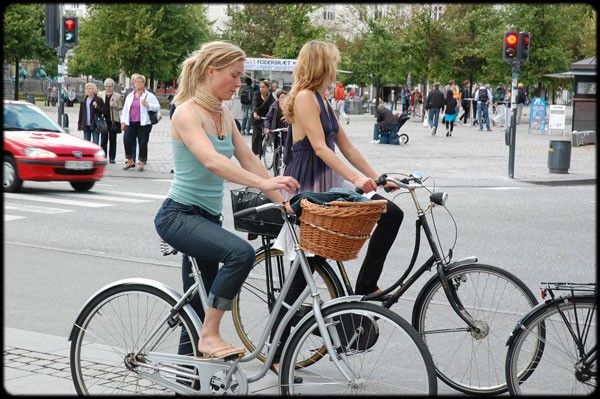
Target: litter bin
pixel 559 156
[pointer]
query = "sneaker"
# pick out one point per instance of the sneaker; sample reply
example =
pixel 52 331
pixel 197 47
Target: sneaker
pixel 447 134
pixel 433 132
pixel 489 130
pixel 374 141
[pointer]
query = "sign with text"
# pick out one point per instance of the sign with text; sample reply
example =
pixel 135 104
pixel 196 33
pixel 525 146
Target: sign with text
pixel 269 64
pixel 557 117
pixel 537 116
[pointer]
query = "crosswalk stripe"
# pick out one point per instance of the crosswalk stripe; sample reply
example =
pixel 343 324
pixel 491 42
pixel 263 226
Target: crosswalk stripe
pixel 132 194
pixel 12 217
pixel 102 197
pixel 42 198
pixel 37 209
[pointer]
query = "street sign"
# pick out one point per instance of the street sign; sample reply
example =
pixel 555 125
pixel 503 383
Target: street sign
pixel 557 117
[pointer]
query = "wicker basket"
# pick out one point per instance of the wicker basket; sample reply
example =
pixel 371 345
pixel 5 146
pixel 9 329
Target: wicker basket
pixel 339 229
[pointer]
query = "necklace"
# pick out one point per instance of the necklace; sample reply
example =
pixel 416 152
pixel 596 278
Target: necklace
pixel 218 124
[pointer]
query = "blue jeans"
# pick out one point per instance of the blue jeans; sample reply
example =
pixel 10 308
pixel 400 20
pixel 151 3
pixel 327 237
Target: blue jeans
pixel 483 108
pixel 91 135
pixel 195 232
pixel 434 117
pixel 247 119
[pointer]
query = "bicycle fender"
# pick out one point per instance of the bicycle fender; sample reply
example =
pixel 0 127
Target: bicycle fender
pixel 327 304
pixel 187 308
pixel 540 307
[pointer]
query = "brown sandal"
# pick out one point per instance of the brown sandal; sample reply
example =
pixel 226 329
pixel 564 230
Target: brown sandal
pixel 129 165
pixel 224 352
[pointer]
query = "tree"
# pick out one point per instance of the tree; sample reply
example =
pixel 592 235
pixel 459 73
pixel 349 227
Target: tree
pixel 150 39
pixel 278 30
pixel 24 36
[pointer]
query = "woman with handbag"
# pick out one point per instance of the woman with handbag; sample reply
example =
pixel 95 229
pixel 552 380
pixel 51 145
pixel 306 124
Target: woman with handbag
pixel 136 123
pixel 91 107
pixel 113 103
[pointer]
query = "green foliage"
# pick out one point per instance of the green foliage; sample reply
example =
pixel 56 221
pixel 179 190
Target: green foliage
pixel 278 30
pixel 150 39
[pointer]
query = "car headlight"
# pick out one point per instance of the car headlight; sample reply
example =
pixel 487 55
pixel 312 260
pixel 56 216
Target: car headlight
pixel 33 152
pixel 100 154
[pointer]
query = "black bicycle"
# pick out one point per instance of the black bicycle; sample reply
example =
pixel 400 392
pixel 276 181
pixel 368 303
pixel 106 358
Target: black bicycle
pixel 464 313
pixel 553 348
pixel 272 148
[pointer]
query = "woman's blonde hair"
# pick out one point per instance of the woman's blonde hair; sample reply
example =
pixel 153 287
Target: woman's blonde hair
pixel 316 64
pixel 191 81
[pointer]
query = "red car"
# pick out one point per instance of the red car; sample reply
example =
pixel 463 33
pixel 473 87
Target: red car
pixel 36 148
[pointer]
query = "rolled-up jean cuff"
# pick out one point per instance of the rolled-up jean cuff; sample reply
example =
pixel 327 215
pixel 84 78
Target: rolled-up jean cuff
pixel 219 303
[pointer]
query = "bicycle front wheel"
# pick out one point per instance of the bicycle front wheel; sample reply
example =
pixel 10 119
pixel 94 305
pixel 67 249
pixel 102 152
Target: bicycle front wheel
pixel 382 352
pixel 561 368
pixel 467 360
pixel 268 152
pixel 111 330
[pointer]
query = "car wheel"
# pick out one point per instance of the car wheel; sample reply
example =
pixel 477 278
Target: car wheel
pixel 82 185
pixel 12 182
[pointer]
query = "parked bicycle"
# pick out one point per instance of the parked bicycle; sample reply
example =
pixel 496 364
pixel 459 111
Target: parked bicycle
pixel 464 312
pixel 553 348
pixel 272 148
pixel 125 341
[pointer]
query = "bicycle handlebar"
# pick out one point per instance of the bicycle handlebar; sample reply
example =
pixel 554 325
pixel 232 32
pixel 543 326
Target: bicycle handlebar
pixel 403 183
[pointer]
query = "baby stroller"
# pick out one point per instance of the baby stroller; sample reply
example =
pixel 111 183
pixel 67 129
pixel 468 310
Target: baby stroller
pixel 392 136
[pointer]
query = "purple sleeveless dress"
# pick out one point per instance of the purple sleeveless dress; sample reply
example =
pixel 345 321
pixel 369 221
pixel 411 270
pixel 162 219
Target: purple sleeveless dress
pixel 305 166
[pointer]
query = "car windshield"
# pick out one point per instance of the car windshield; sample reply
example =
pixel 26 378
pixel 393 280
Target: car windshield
pixel 27 117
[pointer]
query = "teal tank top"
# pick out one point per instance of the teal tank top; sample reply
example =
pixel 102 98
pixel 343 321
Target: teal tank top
pixel 193 184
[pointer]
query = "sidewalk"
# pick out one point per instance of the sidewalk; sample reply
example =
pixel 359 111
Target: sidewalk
pixel 37 363
pixel 468 157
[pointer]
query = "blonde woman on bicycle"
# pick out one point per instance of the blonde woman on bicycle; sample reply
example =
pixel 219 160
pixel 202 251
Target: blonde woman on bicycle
pixel 204 137
pixel 316 132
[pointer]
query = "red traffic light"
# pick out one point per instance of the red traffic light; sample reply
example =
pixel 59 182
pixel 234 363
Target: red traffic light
pixel 69 24
pixel 511 39
pixel 525 40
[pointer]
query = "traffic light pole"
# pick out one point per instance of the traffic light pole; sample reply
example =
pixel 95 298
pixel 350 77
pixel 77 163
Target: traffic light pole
pixel 60 53
pixel 511 134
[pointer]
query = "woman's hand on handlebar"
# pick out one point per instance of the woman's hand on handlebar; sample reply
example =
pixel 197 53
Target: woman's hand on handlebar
pixel 286 183
pixel 390 186
pixel 366 184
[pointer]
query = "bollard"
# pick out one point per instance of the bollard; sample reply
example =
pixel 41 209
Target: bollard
pixel 559 156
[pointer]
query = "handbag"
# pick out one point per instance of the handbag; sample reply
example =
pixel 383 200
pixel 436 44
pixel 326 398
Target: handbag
pixel 266 223
pixel 116 127
pixel 101 124
pixel 155 116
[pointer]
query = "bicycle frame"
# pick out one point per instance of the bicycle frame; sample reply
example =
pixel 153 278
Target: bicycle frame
pixel 171 363
pixel 435 259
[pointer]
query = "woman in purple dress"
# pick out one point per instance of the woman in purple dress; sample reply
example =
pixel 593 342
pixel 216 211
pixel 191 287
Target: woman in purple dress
pixel 314 163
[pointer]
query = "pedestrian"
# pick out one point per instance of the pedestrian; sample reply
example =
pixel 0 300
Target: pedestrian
pixel 135 118
pixel 275 120
pixel 386 122
pixel 521 99
pixel 113 104
pixel 483 97
pixel 339 97
pixel 92 105
pixel 204 138
pixel 465 102
pixel 261 102
pixel 450 111
pixel 433 105
pixel 404 98
pixel 392 99
pixel 314 163
pixel 246 95
pixel 53 96
pixel 133 143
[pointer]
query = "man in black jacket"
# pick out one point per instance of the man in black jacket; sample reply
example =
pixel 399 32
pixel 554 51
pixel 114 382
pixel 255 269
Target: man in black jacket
pixel 433 105
pixel 386 122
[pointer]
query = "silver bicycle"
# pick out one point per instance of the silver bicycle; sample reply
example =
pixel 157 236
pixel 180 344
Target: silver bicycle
pixel 126 338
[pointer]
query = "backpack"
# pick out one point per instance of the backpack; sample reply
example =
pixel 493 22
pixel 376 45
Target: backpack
pixel 246 95
pixel 483 95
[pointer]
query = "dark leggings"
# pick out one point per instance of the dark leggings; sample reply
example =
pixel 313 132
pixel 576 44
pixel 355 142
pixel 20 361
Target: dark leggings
pixel 380 243
pixel 450 124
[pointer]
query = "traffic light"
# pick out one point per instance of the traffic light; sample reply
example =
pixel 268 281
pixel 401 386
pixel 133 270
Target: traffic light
pixel 69 32
pixel 510 46
pixel 523 46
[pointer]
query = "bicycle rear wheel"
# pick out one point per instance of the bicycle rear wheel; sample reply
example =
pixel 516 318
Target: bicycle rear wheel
pixel 383 352
pixel 471 361
pixel 251 310
pixel 268 151
pixel 558 369
pixel 112 327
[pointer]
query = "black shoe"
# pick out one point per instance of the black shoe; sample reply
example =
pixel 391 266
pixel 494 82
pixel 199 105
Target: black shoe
pixel 112 161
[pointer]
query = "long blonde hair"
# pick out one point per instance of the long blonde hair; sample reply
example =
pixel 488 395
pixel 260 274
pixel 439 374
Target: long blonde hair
pixel 316 64
pixel 192 80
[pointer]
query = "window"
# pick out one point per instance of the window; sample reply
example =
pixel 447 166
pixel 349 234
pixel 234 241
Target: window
pixel 328 13
pixel 437 12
